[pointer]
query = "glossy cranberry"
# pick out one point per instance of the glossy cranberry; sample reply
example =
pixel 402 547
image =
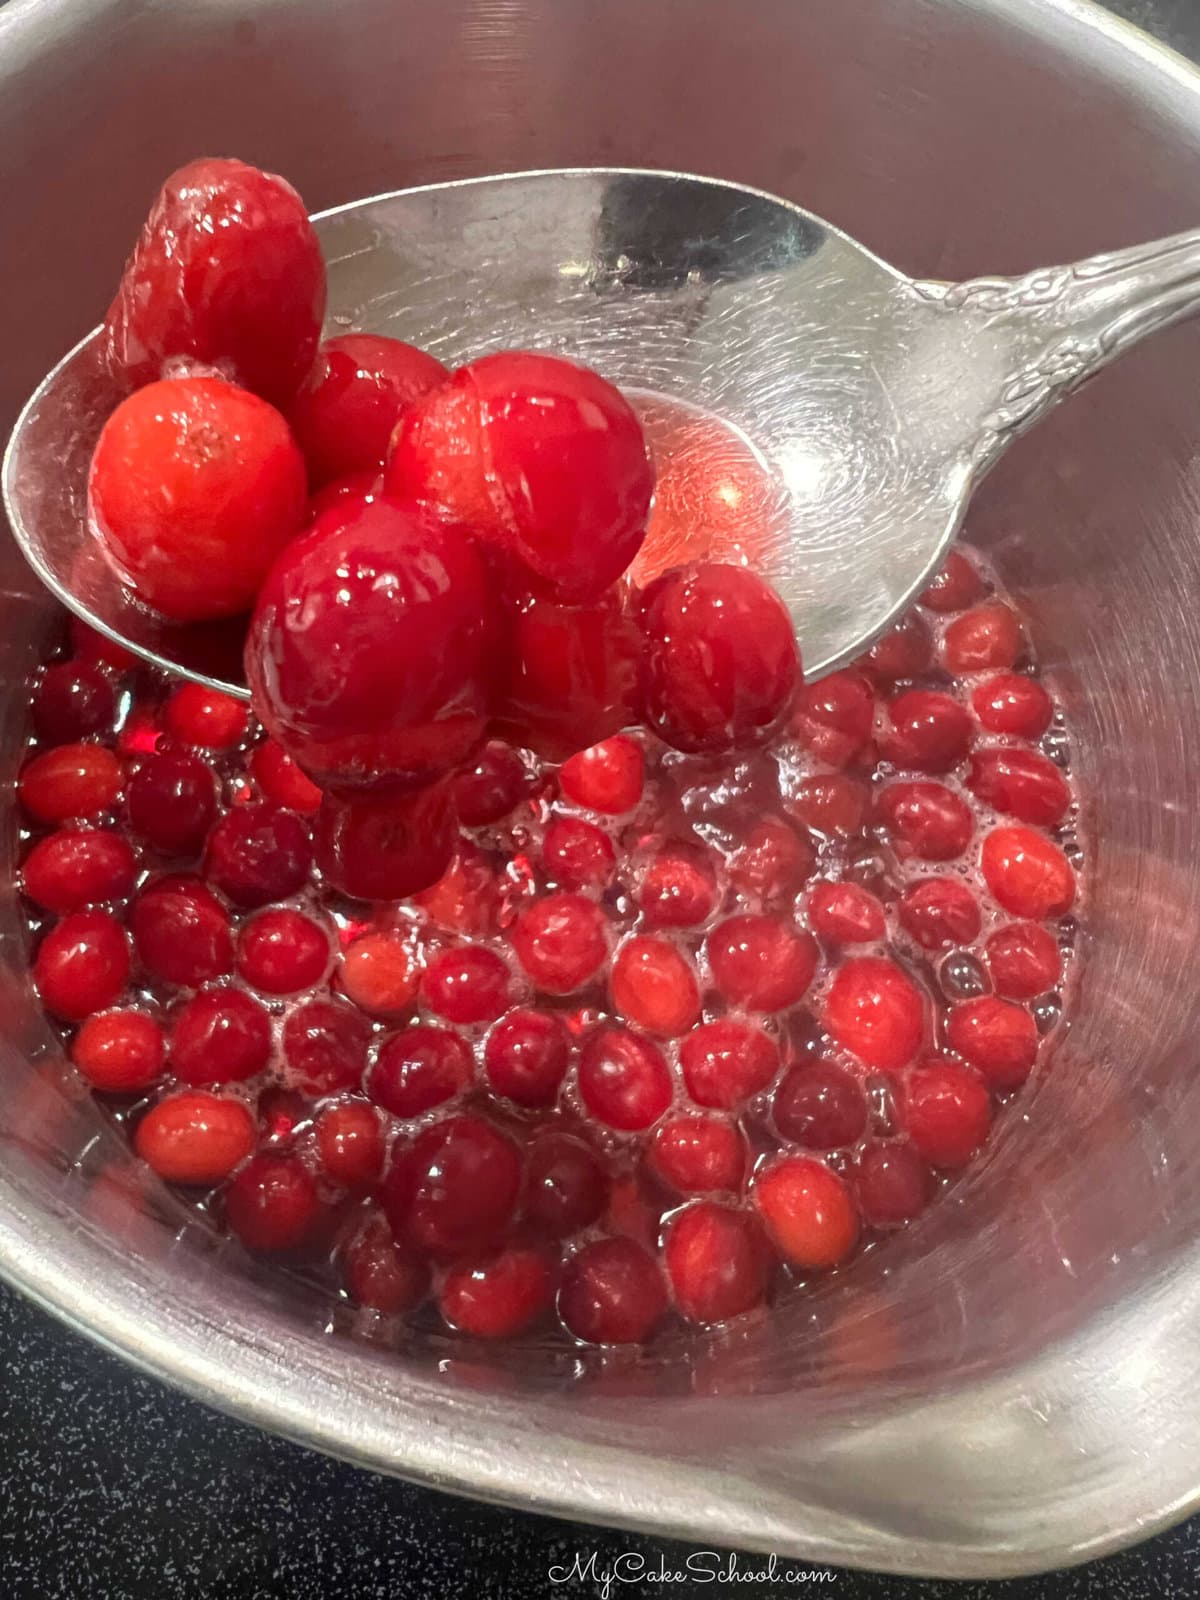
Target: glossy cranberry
pixel 526 1057
pixel 830 803
pixel 227 269
pixel 467 897
pixel 726 1063
pixel 1019 783
pixel 419 1068
pixel 946 1112
pixel 623 1078
pixel 721 663
pixel 612 1293
pixel 717 1261
pixel 72 781
pixel 219 1036
pixel 695 1154
pixel 577 854
pixel 561 942
pixel 350 1144
pixel 466 985
pixel 386 848
pixel 1011 703
pixel 925 820
pixel 181 931
pixel 500 1295
pixel 74 699
pixel 679 889
pixel 78 867
pixel 119 1051
pixel 205 717
pixel 195 1138
pixel 834 717
pixel 937 912
pixel 82 965
pixel 876 1011
pixel 773 861
pixel 607 777
pixel 926 731
pixel 325 1045
pixel 89 644
pixel 654 987
pixel 821 1106
pixel 453 1190
pixel 490 787
pixel 356 488
pixel 378 973
pixel 987 639
pixel 281 781
pixel 371 647
pixel 282 952
pixel 845 913
pixel 257 854
pixel 892 1183
pixel 1027 873
pixel 760 963
pixel 172 801
pixel 537 455
pixel 634 1210
pixel 386 1276
pixel 957 586
pixel 807 1210
pixel 995 1036
pixel 349 405
pixel 271 1204
pixel 905 651
pixel 1023 959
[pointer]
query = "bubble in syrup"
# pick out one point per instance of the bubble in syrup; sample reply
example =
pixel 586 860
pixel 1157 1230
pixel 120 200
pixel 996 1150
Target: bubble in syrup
pixel 1057 747
pixel 960 976
pixel 1047 1012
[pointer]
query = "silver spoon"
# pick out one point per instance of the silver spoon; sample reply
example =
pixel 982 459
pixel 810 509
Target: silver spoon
pixel 876 401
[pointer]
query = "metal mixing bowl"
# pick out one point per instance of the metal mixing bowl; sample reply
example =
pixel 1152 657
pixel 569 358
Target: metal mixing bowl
pixel 1013 1384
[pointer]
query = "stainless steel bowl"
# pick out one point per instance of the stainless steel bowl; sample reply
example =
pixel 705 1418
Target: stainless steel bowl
pixel 1016 1383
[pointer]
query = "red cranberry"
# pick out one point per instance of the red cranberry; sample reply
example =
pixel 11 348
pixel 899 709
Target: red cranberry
pixel 227 269
pixel 1020 783
pixel 281 781
pixel 501 1295
pixel 567 1186
pixel 905 651
pixel 725 1063
pixel 195 1138
pixel 257 854
pixel 386 848
pixel 419 1068
pixel 119 1051
pixel 282 952
pixel 956 586
pixel 947 1112
pixel 1027 873
pixel 82 965
pixel 721 663
pixel 773 862
pixel 893 1184
pixel 679 889
pixel 623 1078
pixel 929 732
pixel 830 803
pixel 987 639
pixel 466 985
pixel 807 1210
pixel 453 1190
pixel 379 974
pixel 271 1204
pixel 717 1261
pixel 654 987
pixel 181 932
pixel 1011 703
pixel 526 1057
pixel 926 820
pixel 634 1211
pixel 72 781
pixel 172 801
pixel 577 854
pixel 698 1155
pixel 561 942
pixel 348 406
pixel 370 649
pixel 219 1036
pixel 491 787
pixel 845 913
pixel 998 1038
pixel 88 644
pixel 761 964
pixel 386 1276
pixel 205 717
pixel 612 1293
pixel 74 699
pixel 877 1012
pixel 466 899
pixel 356 488
pixel 325 1046
pixel 820 1106
pixel 835 716
pixel 350 1144
pixel 78 867
pixel 607 777
pixel 1023 959
pixel 937 912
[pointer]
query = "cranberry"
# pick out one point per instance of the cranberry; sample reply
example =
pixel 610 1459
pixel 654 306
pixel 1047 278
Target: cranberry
pixel 725 1063
pixel 877 1012
pixel 1023 960
pixel 119 1051
pixel 987 639
pixel 491 787
pixel 82 965
pixel 378 973
pixel 835 716
pixel 761 964
pixel 258 853
pixel 821 1106
pixel 717 1261
pixel 282 952
pixel 956 586
pixel 537 455
pixel 612 1293
pixel 74 699
pixel 926 820
pixel 929 732
pixel 466 985
pixel 526 1057
pixel 654 987
pixel 96 648
pixel 830 803
pixel 386 848
pixel 384 1275
pixel 271 1204
pixel 219 1036
pixel 607 777
pixel 281 1112
pixel 1020 783
pixel 227 269
pixel 721 663
pixel 561 942
pixel 356 489
pixel 467 897
pixel 501 1295
pixel 72 781
pixel 369 652
pixel 634 1211
pixel 679 889
pixel 195 1138
pixel 78 867
pixel 350 1144
pixel 947 1112
pixel 325 1046
pixel 1011 703
pixel 807 1210
pixel 996 1037
pixel 773 861
pixel 567 1186
pixel 453 1190
pixel 623 1078
pixel 205 717
pixel 905 651
pixel 281 781
pixel 892 1183
pixel 348 406
pixel 181 932
pixel 937 912
pixel 698 1155
pixel 172 801
pixel 419 1068
pixel 845 913
pixel 577 854
pixel 1027 873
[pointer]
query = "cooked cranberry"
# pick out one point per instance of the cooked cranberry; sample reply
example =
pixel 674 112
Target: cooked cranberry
pixel 281 781
pixel 905 651
pixel 419 1068
pixel 807 1210
pixel 205 717
pixel 379 974
pixel 382 1274
pixel 526 1057
pixel 181 931
pixel 72 781
pixel 721 663
pixel 877 1012
pixel 926 731
pixel 257 854
pixel 926 820
pixel 987 639
pixel 452 1191
pixel 119 1051
pixel 1023 959
pixel 466 985
pixel 566 1187
pixel 89 644
pixel 695 1154
pixel 577 854
pixel 654 987
pixel 350 1144
pixel 820 1106
pixel 761 964
pixel 773 861
pixel 623 1078
pixel 634 1211
pixel 892 1183
pixel 356 488
pixel 834 717
pixel 725 1063
pixel 74 699
pixel 1027 873
pixel 679 889
pixel 282 952
pixel 717 1261
pixel 219 1036
pixel 956 586
pixel 386 848
pixel 561 942
pixel 195 1138
pixel 831 803
pixel 995 1036
pixel 490 787
pixel 172 801
pixel 280 1113
pixel 500 1295
pixel 606 777
pixel 325 1046
pixel 612 1293
pixel 937 912
pixel 1020 783
pixel 467 897
pixel 1011 703
pixel 271 1204
pixel 845 913
pixel 78 867
pixel 82 965
pixel 947 1112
